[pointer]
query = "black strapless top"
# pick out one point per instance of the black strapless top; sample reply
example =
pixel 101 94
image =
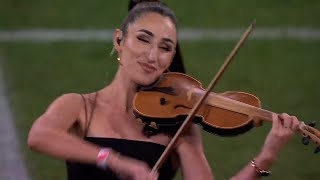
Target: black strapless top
pixel 145 151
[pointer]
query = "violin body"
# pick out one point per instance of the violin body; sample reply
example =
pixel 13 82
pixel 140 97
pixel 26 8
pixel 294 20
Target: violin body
pixel 168 102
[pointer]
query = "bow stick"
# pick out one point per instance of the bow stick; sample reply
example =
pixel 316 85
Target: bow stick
pixel 189 118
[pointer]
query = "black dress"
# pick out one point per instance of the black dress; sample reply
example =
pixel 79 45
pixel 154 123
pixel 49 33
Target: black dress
pixel 148 152
pixel 145 151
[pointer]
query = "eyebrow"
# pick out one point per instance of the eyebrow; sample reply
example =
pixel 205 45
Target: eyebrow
pixel 152 35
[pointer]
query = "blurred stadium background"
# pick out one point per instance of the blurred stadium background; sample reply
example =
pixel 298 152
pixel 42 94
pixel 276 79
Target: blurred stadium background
pixel 278 67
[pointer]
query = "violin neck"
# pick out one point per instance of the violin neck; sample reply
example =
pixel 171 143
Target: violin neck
pixel 240 107
pixel 256 113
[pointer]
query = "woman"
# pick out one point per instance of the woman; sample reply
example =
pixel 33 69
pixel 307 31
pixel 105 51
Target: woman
pixel 97 133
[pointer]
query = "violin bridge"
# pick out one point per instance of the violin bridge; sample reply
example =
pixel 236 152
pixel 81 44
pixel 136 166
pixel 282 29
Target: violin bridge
pixel 189 93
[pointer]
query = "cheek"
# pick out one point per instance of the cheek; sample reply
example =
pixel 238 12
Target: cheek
pixel 165 61
pixel 133 48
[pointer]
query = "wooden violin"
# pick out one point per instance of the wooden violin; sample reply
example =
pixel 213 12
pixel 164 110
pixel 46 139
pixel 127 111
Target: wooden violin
pixel 168 103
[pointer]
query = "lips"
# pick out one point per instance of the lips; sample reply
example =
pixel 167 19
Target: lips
pixel 147 67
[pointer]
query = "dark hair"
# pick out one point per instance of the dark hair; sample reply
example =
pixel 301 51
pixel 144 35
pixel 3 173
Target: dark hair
pixel 132 3
pixel 142 7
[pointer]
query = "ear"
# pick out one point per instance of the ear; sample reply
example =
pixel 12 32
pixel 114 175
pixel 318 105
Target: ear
pixel 117 39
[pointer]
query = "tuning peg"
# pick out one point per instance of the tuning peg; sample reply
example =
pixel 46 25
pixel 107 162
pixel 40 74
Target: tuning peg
pixel 312 124
pixel 306 140
pixel 317 150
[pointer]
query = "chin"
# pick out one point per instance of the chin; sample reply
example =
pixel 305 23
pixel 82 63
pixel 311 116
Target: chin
pixel 146 81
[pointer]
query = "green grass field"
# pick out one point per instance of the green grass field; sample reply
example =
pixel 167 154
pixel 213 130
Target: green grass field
pixel 201 13
pixel 282 73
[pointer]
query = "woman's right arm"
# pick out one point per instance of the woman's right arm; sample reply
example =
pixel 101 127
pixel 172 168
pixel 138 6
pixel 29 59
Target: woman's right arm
pixel 49 133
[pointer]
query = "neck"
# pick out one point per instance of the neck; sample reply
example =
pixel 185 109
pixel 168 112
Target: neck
pixel 120 92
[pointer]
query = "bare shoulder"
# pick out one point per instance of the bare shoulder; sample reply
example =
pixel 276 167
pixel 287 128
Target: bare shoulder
pixel 63 111
pixel 69 97
pixel 70 101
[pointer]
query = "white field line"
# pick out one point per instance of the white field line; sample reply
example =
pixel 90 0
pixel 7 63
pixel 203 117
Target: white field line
pixel 12 166
pixel 187 34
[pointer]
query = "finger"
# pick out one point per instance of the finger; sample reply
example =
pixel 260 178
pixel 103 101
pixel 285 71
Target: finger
pixel 156 175
pixel 295 123
pixel 287 120
pixel 153 176
pixel 275 121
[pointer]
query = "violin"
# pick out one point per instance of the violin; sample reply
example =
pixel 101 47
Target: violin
pixel 167 104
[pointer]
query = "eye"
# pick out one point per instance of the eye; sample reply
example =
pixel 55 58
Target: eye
pixel 143 39
pixel 166 48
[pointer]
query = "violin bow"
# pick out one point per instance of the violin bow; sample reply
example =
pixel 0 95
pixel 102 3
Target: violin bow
pixel 190 116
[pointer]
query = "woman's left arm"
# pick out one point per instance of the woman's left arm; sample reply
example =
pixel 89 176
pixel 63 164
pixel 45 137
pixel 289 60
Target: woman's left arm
pixel 194 164
pixel 283 128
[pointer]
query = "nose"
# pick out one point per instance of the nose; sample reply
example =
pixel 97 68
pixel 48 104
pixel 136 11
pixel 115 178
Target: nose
pixel 153 55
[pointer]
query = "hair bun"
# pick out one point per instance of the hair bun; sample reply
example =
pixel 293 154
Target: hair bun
pixel 132 3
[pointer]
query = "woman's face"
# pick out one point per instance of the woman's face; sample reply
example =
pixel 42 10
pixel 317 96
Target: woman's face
pixel 148 48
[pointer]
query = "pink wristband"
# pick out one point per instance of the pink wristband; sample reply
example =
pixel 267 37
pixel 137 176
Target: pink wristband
pixel 102 157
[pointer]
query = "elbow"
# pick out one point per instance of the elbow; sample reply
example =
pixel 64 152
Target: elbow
pixel 34 140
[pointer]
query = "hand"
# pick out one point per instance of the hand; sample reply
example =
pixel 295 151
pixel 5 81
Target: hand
pixel 129 168
pixel 283 128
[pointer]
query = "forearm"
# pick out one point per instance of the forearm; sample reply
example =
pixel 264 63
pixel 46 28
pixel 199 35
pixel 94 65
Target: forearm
pixel 196 170
pixel 263 161
pixel 283 127
pixel 63 146
pixel 194 164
